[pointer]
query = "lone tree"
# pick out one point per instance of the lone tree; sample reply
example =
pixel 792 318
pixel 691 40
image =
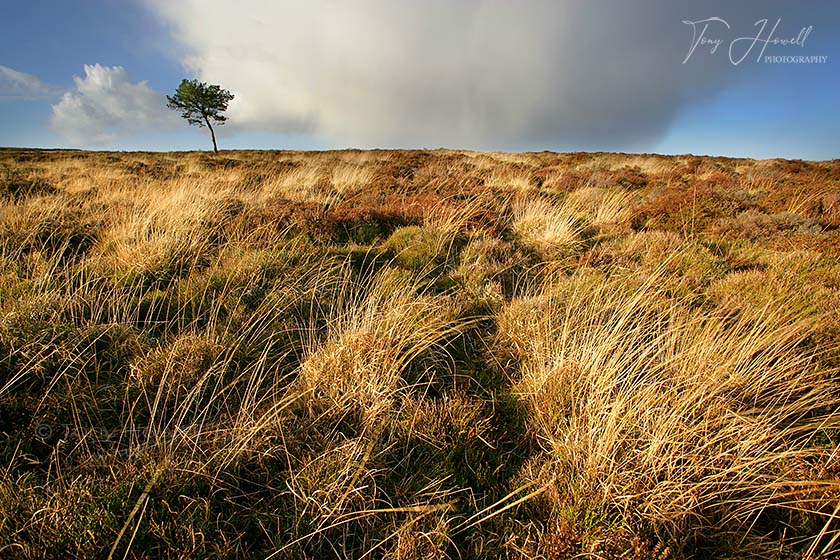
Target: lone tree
pixel 201 103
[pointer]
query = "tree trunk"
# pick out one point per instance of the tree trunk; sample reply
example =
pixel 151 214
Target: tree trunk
pixel 212 134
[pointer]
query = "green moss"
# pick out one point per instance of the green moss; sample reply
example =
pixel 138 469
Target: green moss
pixel 423 248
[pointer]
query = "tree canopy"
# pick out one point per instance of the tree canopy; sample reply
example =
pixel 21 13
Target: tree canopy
pixel 200 103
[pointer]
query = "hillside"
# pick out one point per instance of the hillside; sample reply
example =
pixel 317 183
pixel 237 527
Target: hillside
pixel 418 354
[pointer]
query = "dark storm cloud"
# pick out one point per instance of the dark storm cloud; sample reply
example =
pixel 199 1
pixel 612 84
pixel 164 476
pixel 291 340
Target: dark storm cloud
pixel 486 74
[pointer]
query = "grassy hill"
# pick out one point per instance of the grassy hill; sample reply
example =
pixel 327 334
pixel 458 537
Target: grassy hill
pixel 418 354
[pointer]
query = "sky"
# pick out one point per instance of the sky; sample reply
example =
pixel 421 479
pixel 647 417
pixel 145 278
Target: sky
pixel 746 78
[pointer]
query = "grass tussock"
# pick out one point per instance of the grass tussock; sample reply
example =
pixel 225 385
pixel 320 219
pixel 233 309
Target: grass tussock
pixel 656 415
pixel 418 354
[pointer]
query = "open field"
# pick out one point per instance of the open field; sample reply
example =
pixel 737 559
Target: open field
pixel 412 354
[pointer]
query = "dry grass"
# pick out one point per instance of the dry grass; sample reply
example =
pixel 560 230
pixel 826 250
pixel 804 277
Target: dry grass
pixel 665 416
pixel 418 355
pixel 549 228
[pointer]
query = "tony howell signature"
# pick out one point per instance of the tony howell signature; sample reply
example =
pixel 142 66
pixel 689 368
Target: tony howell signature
pixel 703 35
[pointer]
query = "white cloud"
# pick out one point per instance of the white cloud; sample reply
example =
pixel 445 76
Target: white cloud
pixel 106 105
pixel 489 73
pixel 16 85
pixel 483 73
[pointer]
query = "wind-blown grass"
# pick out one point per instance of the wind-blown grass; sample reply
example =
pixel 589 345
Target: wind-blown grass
pixel 419 354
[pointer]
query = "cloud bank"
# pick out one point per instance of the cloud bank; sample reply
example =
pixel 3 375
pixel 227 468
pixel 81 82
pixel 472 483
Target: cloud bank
pixel 530 74
pixel 20 86
pixel 106 105
pixel 486 74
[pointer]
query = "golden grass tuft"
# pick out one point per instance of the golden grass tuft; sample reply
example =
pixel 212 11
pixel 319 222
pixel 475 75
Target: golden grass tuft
pixel 548 228
pixel 694 423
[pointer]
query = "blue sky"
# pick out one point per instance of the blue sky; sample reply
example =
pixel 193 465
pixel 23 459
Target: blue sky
pixel 484 74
